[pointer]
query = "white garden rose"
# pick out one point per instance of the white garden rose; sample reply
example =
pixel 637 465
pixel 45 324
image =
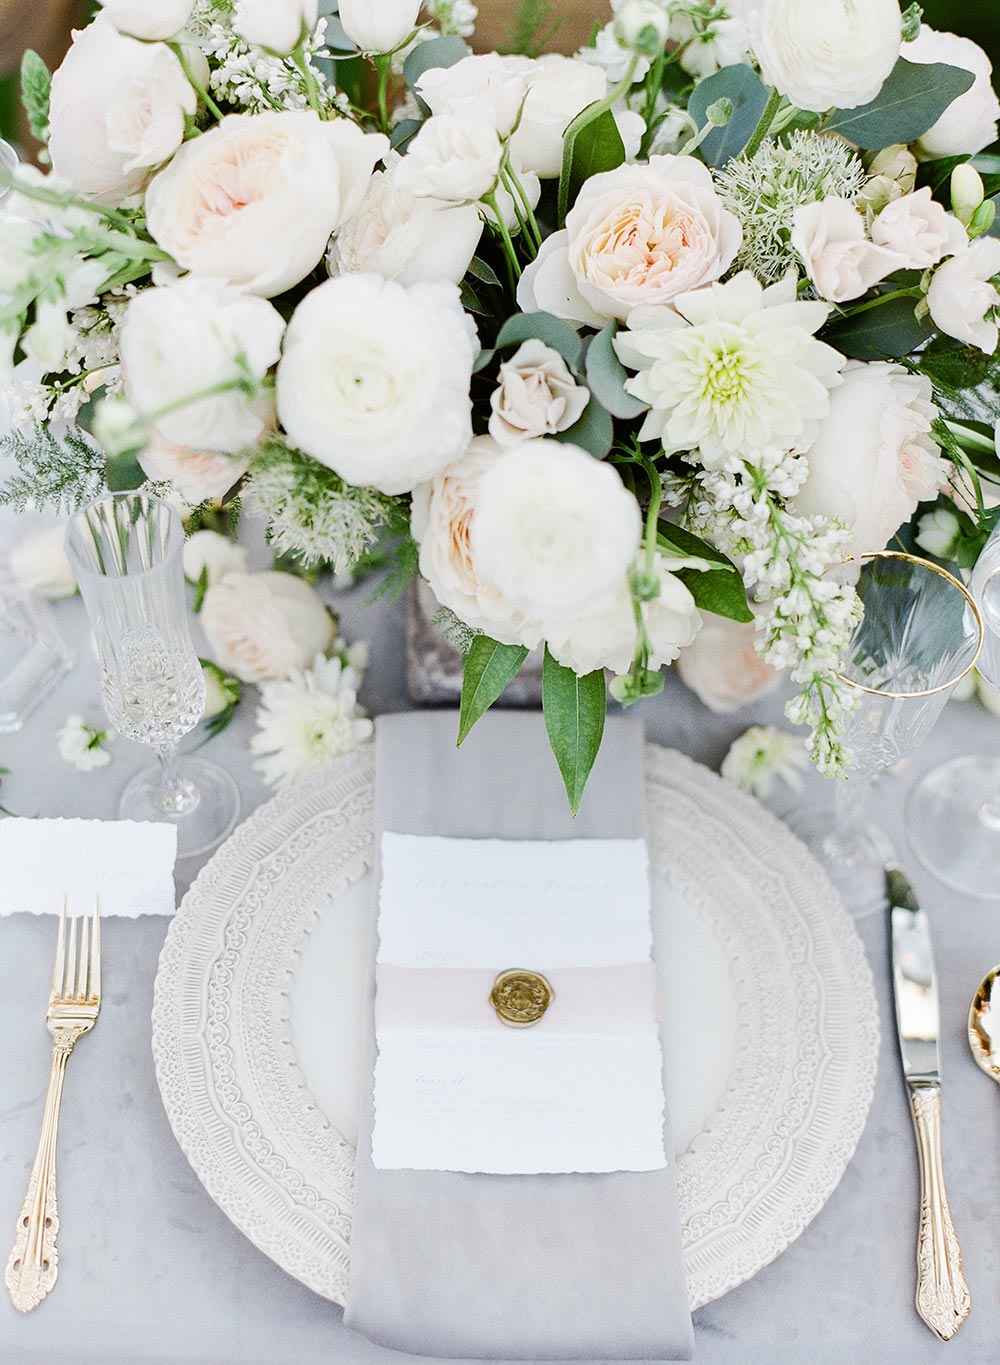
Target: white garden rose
pixel 140 19
pixel 197 475
pixel 874 459
pixel 826 54
pixel 38 563
pixel 919 230
pixel 478 85
pixel 261 626
pixel 555 530
pixel 637 235
pixel 213 555
pixel 374 380
pixel 184 339
pixel 969 123
pixel 536 396
pixel 829 236
pixel 277 25
pixel 723 668
pixel 452 158
pixel 379 25
pixel 403 237
pixel 559 88
pixel 441 520
pixel 117 110
pixel 256 199
pixel 963 297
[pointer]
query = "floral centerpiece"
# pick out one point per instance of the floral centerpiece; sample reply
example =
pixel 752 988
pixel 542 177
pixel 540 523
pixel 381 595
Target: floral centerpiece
pixel 601 345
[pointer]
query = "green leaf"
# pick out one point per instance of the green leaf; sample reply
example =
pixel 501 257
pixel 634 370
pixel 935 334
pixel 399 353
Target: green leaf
pixel 966 382
pixel 574 709
pixel 596 147
pixel 606 376
pixel 720 590
pixel 744 88
pixel 483 271
pixel 403 131
pixel 593 432
pixel 913 98
pixel 124 473
pixel 884 333
pixel 444 51
pixel 555 332
pixel 36 86
pixel 489 667
pixel 471 301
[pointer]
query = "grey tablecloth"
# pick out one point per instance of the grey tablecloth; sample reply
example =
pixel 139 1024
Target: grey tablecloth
pixel 153 1271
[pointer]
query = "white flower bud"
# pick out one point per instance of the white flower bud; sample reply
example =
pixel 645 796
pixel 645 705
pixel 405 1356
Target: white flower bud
pixel 642 26
pixel 967 192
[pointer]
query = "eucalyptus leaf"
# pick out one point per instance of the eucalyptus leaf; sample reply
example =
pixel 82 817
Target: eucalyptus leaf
pixel 555 332
pixel 575 709
pixel 404 130
pixel 593 432
pixel 719 590
pixel 741 85
pixel 445 51
pixel 886 332
pixel 482 360
pixel 912 99
pixel 489 667
pixel 606 376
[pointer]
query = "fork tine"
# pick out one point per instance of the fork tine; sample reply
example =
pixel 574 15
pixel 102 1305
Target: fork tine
pixel 81 971
pixel 60 963
pixel 95 952
pixel 69 977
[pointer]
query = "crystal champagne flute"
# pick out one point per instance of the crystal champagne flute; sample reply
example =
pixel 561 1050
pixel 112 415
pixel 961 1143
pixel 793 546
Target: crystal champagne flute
pixel 127 552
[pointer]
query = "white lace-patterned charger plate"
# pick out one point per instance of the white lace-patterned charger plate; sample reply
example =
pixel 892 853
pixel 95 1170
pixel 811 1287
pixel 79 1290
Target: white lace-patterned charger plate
pixel 770 1022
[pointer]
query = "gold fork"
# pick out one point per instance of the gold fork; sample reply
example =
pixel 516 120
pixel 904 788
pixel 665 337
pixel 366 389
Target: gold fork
pixel 74 1004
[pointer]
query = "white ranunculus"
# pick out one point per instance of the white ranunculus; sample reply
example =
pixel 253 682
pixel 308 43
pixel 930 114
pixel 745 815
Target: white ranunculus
pixel 214 555
pixel 403 237
pixel 197 475
pixel 478 85
pixel 374 380
pixel 441 520
pixel 117 110
pixel 969 123
pixel 452 158
pixel 261 626
pixel 555 530
pixel 277 25
pixel 256 199
pixel 140 19
pixel 723 668
pixel 874 459
pixel 919 230
pixel 379 25
pixel 637 235
pixel 185 338
pixel 559 88
pixel 826 54
pixel 829 236
pixel 536 396
pixel 962 297
pixel 39 563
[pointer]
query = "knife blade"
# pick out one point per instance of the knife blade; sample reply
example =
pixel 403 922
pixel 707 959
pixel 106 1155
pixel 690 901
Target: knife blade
pixel 942 1297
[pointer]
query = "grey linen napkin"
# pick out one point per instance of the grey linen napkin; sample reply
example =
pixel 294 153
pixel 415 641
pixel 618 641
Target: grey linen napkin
pixel 533 1267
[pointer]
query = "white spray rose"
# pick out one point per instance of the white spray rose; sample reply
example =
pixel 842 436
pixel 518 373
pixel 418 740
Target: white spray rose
pixel 214 555
pixel 117 111
pixel 197 475
pixel 969 123
pixel 256 199
pixel 555 530
pixel 452 158
pixel 39 563
pixel 637 235
pixel 478 85
pixel 140 19
pixel 277 25
pixel 379 25
pixel 963 298
pixel 536 396
pixel 374 380
pixel 559 88
pixel 723 668
pixel 643 26
pixel 261 626
pixel 919 230
pixel 403 237
pixel 185 338
pixel 826 54
pixel 829 236
pixel 874 459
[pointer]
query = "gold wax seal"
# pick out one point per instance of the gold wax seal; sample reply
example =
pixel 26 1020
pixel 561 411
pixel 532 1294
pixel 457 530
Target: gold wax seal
pixel 520 997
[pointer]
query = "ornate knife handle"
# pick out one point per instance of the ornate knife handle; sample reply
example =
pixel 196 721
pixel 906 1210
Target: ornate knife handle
pixel 33 1264
pixel 942 1294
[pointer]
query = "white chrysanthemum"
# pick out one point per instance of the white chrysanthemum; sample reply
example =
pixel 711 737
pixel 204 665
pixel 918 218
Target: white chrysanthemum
pixel 762 756
pixel 735 368
pixel 81 744
pixel 308 720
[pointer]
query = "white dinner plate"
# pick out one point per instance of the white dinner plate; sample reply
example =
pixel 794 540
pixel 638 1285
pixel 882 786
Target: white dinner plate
pixel 770 1025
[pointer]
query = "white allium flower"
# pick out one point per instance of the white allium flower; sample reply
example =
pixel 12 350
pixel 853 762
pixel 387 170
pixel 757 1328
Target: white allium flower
pixel 81 744
pixel 762 756
pixel 734 369
pixel 308 720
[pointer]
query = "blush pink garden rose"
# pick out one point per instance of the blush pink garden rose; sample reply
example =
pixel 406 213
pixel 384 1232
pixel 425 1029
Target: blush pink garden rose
pixel 536 396
pixel 963 298
pixel 722 667
pixel 261 626
pixel 636 236
pixel 829 236
pixel 198 476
